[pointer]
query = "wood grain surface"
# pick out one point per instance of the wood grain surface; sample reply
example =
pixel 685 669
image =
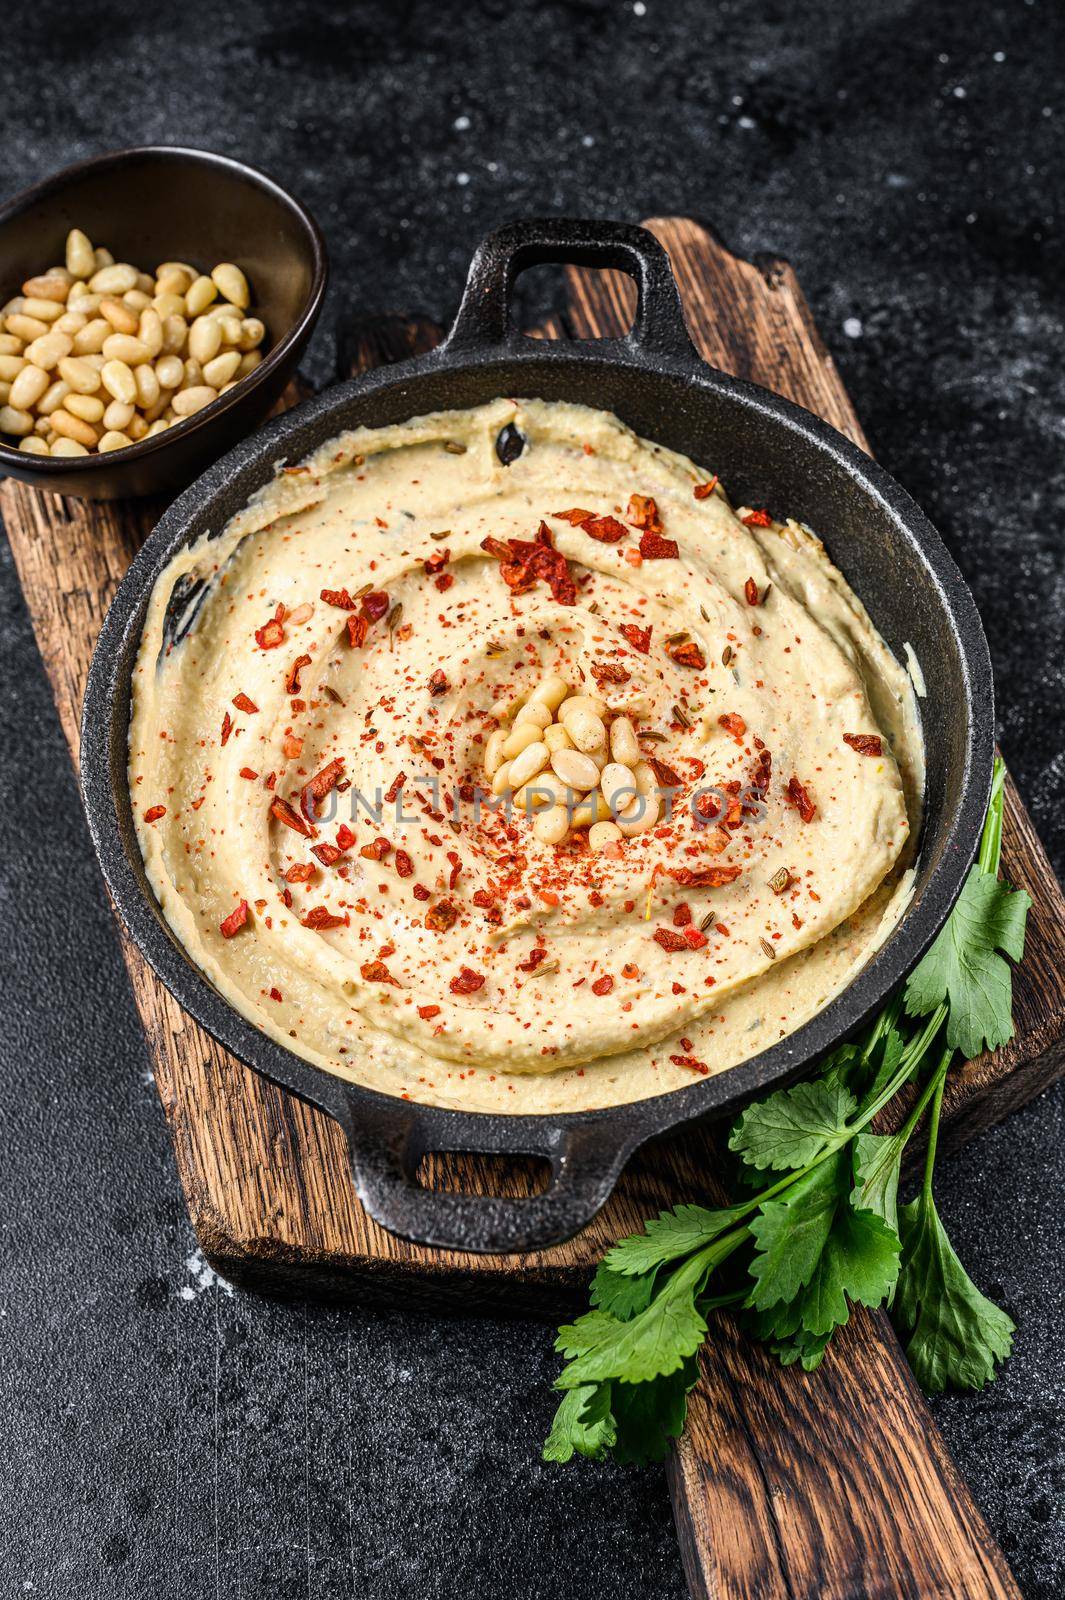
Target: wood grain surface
pixel 837 1485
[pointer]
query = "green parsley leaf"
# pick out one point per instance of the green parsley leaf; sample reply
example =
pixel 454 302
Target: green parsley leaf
pixel 953 1333
pixel 620 1296
pixel 877 1168
pixel 815 1252
pixel 791 1127
pixel 964 967
pixel 806 1348
pixel 649 1416
pixel 583 1425
pixel 672 1235
pixel 651 1344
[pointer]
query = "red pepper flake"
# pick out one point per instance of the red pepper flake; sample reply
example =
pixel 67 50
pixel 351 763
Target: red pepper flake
pixel 525 562
pixel 438 683
pixel 642 512
pixel 608 530
pixel 533 959
pixel 443 583
pixel 392 793
pixel 377 972
pixel 866 744
pixel 319 917
pixel 284 813
pixel 271 634
pixel 456 868
pixel 404 864
pixel 301 872
pixel 703 491
pixel 673 940
pixel 227 727
pixel 703 877
pixel 664 773
pixel 358 630
pixel 345 837
pixel 758 519
pixel 436 562
pixel 376 851
pixel 733 724
pixel 609 672
pixel 427 1013
pixel 248 772
pixel 235 921
pixel 630 970
pixel 798 796
pixel 339 598
pixel 319 786
pixel 153 813
pixel 420 892
pixel 275 994
pixel 692 1064
pixel 639 638
pixel 441 917
pixel 750 590
pixel 603 985
pixel 695 938
pixel 243 703
pixel 687 654
pixel 682 915
pixel 575 516
pixel 292 746
pixel 328 854
pixel 292 681
pixel 375 605
pixel 654 548
pixel 466 981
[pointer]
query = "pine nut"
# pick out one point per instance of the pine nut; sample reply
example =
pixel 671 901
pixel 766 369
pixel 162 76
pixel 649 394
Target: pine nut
pixel 623 745
pixel 71 427
pixel 520 738
pixel 644 816
pixel 16 421
pixel 600 834
pixel 138 428
pixel 556 738
pixel 493 753
pixel 582 702
pixel 528 763
pixel 10 346
pixel 114 280
pixel 10 367
pixel 49 350
pixel 551 827
pixel 53 398
pixel 575 769
pixel 79 256
pixel 174 280
pixel 501 781
pixel 222 368
pixel 136 299
pixel 193 374
pixel 121 317
pixel 252 333
pixel 587 731
pixel 232 283
pixel 205 339
pixel 249 361
pixel 90 341
pixel 159 426
pixel 118 380
pixel 25 328
pixel 542 792
pixel 151 331
pixel 175 332
pixel 199 296
pixel 187 401
pixel 32 445
pixel 231 332
pixel 592 809
pixel 124 347
pixel 534 711
pixel 618 784
pixel 80 375
pixel 44 310
pixel 67 447
pixel 170 305
pixel 170 370
pixel 51 285
pixel 550 691
pixel 646 777
pixel 89 407
pixel 5 391
pixel 147 385
pixel 102 257
pixel 113 440
pixel 71 322
pixel 118 416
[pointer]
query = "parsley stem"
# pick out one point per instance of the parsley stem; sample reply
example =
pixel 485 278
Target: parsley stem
pixel 940 1082
pixel 991 838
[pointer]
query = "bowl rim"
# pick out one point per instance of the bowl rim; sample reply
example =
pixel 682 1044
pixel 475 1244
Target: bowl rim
pixel 12 459
pixel 630 1122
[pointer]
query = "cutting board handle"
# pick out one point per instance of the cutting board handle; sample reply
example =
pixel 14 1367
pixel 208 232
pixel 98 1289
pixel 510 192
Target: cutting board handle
pixel 387 1146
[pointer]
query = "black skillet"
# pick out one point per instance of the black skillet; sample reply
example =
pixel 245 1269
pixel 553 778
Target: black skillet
pixel 768 452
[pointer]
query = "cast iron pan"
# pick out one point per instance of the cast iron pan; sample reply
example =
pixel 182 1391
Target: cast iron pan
pixel 768 452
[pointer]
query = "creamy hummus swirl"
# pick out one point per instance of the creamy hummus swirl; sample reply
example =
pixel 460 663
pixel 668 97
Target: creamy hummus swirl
pixel 311 705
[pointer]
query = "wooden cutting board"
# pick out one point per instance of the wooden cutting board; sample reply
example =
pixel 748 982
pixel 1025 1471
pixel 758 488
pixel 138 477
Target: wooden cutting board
pixel 837 1485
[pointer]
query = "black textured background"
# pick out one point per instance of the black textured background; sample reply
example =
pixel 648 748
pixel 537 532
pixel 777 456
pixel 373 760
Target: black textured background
pixel 167 1438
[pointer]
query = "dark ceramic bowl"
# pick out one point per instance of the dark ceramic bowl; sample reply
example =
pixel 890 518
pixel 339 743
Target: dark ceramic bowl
pixel 768 452
pixel 163 203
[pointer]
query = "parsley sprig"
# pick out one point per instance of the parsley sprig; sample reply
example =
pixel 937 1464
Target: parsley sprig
pixel 828 1232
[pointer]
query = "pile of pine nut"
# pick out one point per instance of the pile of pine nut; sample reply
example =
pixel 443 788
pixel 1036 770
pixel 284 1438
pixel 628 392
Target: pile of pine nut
pixel 96 355
pixel 564 760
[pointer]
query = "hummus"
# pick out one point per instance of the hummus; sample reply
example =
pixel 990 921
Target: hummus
pixel 318 684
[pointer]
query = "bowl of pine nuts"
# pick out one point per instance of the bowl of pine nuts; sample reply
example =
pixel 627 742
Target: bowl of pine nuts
pixel 154 304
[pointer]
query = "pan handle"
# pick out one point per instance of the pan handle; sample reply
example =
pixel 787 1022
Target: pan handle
pixel 388 1139
pixel 484 320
